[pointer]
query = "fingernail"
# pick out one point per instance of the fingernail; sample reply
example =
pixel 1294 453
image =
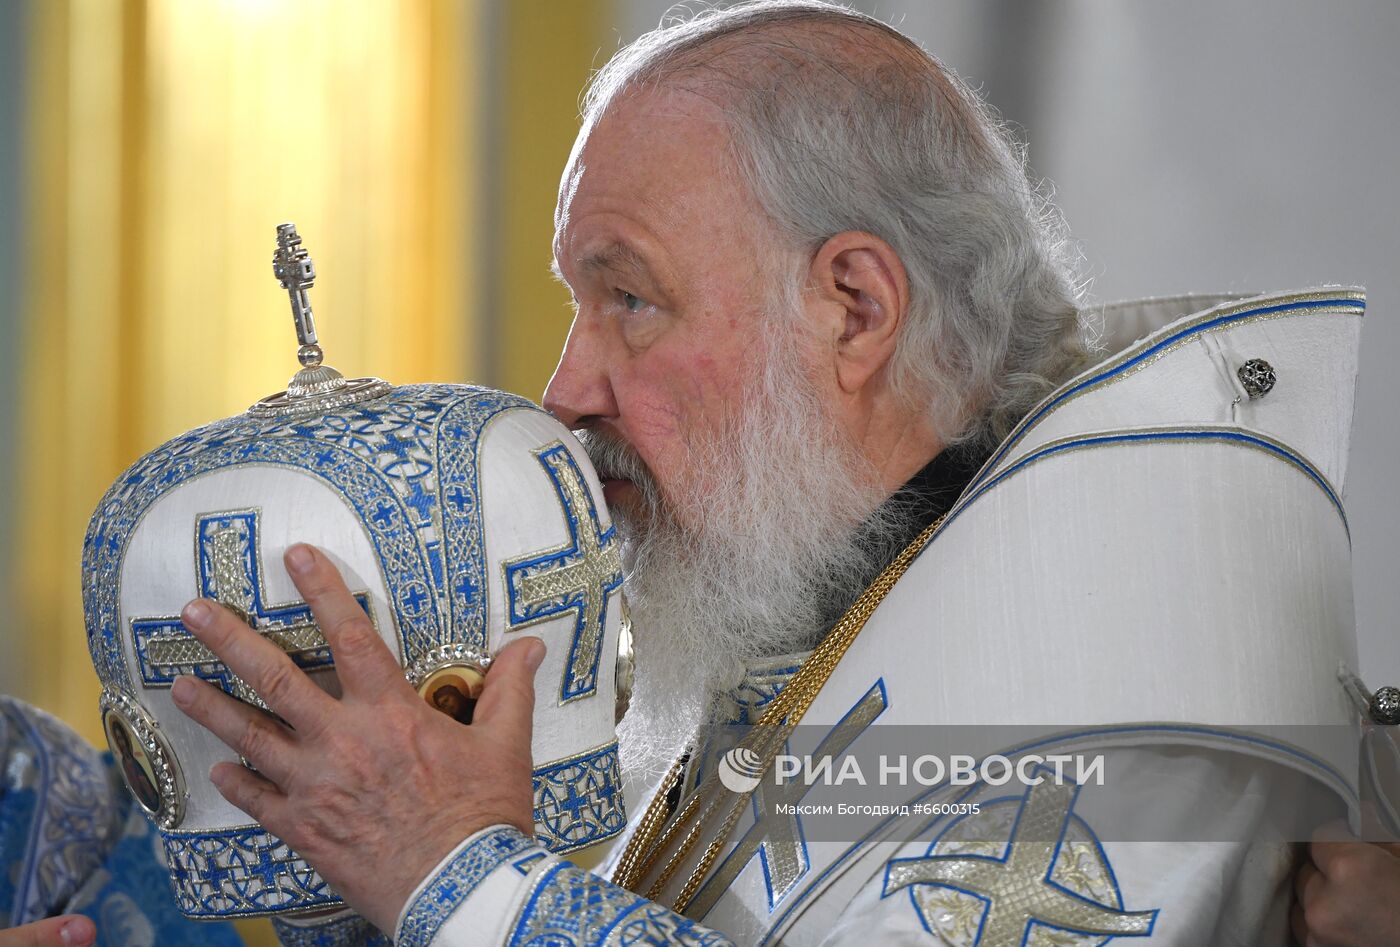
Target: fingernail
pixel 77 932
pixel 182 691
pixel 216 774
pixel 196 613
pixel 300 558
pixel 535 658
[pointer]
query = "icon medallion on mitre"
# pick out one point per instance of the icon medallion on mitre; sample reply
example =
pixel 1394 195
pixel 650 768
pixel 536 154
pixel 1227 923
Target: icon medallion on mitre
pixel 459 517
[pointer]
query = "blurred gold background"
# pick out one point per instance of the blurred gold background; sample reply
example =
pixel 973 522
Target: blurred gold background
pixel 162 141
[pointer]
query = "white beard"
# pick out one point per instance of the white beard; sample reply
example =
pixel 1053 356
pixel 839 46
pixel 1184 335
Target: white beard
pixel 792 532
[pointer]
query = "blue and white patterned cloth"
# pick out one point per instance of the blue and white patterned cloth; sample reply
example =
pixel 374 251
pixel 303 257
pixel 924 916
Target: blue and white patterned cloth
pixel 72 841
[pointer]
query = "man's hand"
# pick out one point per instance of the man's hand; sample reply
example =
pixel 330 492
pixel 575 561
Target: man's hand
pixel 1349 893
pixel 67 931
pixel 375 788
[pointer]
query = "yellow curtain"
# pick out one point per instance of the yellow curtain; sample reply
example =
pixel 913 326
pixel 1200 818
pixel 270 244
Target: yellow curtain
pixel 168 138
pixel 548 49
pixel 417 144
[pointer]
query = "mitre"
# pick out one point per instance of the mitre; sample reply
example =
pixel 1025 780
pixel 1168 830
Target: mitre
pixel 459 516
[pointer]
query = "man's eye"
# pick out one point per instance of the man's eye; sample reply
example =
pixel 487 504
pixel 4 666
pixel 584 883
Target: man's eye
pixel 632 302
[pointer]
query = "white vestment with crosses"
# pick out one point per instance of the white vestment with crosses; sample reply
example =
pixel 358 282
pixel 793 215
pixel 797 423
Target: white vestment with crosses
pixel 1152 571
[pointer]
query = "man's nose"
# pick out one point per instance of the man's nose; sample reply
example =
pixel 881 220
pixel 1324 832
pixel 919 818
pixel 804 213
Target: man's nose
pixel 580 391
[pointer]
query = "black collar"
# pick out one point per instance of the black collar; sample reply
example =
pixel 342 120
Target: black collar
pixel 932 491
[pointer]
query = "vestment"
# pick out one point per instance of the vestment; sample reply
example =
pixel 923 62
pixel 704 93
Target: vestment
pixel 73 842
pixel 1153 571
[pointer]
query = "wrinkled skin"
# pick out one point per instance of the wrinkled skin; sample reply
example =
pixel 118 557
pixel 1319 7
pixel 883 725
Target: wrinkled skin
pixel 671 268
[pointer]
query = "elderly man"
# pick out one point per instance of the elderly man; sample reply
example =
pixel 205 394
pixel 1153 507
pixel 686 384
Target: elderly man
pixel 814 288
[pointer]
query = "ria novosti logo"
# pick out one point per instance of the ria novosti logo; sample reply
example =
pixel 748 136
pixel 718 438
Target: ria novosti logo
pixel 740 770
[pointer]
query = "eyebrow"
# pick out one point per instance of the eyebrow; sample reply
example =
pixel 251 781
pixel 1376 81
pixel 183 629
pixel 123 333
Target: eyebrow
pixel 618 257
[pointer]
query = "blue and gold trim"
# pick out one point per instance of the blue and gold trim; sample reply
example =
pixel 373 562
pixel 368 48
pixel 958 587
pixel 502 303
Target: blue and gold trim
pixel 242 872
pixel 1030 884
pixel 456 881
pixel 570 907
pixel 405 466
pixel 230 535
pixel 417 507
pixel 458 441
pixel 350 930
pixel 578 800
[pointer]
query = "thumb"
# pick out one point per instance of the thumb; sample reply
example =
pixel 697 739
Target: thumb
pixel 508 694
pixel 71 930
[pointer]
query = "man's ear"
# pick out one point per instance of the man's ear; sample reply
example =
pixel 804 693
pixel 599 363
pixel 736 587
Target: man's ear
pixel 861 292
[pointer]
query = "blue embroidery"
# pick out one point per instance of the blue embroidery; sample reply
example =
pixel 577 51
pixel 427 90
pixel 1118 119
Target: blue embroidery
pixel 129 898
pixel 578 801
pixel 407 466
pixel 758 689
pixel 375 455
pixel 654 924
pixel 1314 766
pixel 73 842
pixel 59 814
pixel 350 931
pixel 571 907
pixel 244 872
pixel 579 578
pixel 458 443
pixel 527 864
pixel 451 886
pixel 238 531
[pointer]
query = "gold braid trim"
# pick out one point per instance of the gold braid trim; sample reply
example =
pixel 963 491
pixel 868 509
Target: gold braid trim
pixel 654 836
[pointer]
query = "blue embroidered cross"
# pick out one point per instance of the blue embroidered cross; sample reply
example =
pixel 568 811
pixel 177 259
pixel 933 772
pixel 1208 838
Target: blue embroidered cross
pixel 414 598
pixel 578 577
pixel 384 515
pixel 459 498
pixel 267 869
pixel 228 568
pixel 573 803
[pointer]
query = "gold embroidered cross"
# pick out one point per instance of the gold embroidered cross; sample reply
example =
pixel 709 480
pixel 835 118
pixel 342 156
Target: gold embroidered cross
pixel 577 577
pixel 1018 889
pixel 229 570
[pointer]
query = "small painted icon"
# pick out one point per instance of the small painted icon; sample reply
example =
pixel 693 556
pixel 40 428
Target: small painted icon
pixel 135 765
pixel 453 690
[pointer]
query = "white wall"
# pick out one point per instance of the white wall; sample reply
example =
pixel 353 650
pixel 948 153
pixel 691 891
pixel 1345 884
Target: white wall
pixel 1205 145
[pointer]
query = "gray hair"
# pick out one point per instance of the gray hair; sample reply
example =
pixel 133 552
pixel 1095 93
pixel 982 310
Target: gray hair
pixel 839 122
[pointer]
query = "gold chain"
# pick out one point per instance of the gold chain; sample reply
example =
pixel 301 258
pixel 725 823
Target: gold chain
pixel 654 836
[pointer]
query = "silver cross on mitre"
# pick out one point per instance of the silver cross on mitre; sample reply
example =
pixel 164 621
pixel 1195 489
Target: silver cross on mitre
pixel 316 388
pixel 295 271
